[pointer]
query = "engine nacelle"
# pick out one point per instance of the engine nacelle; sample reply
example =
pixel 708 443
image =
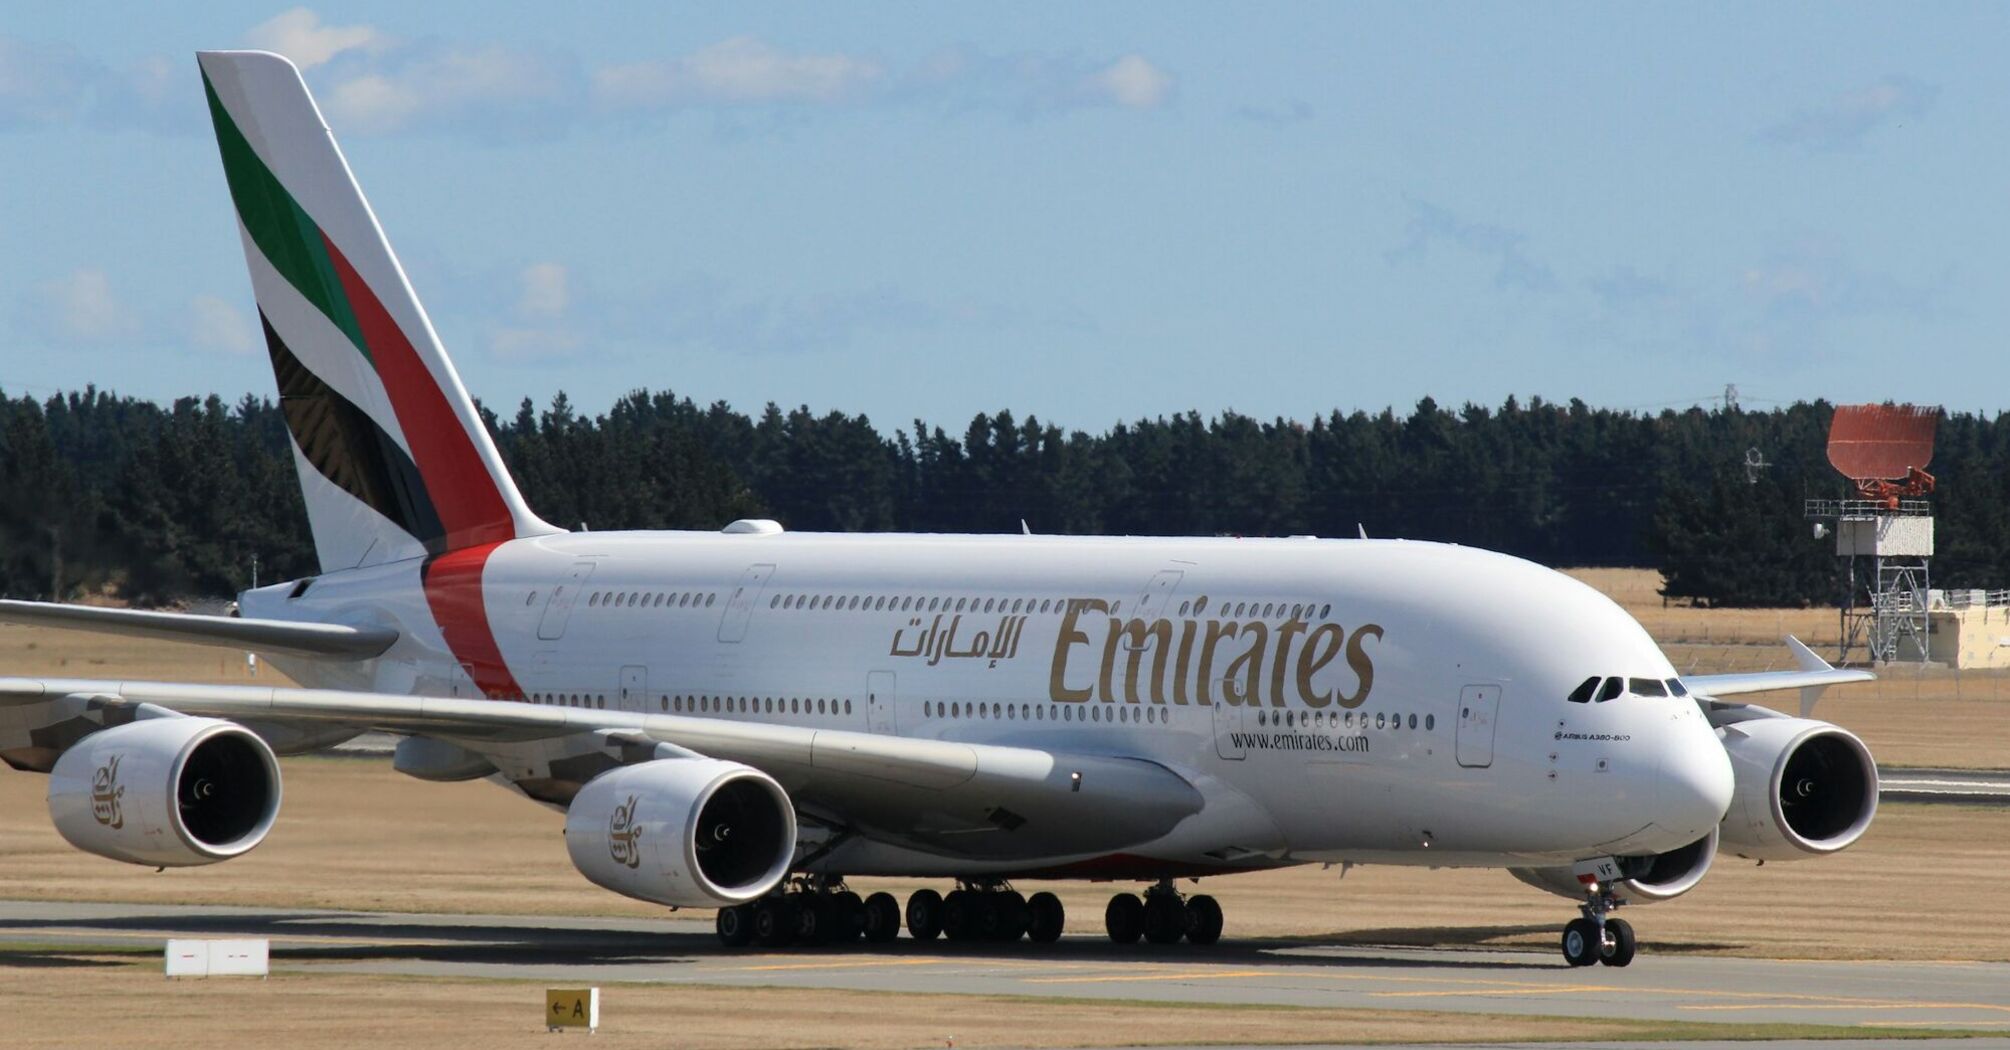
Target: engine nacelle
pixel 1645 879
pixel 687 832
pixel 167 792
pixel 1804 788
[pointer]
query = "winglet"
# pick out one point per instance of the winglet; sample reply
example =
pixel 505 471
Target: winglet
pixel 1807 660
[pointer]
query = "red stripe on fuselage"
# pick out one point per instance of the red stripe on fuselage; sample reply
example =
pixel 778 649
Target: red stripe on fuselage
pixel 453 584
pixel 470 506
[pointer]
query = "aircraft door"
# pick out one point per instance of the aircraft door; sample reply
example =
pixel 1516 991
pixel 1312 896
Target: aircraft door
pixel 1227 724
pixel 558 607
pixel 740 607
pixel 1479 707
pixel 1151 605
pixel 879 710
pixel 634 687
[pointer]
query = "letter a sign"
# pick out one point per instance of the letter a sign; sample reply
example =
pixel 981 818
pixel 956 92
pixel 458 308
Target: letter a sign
pixel 571 1008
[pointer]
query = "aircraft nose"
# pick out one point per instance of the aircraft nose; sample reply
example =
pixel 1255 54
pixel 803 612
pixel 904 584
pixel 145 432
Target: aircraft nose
pixel 1695 784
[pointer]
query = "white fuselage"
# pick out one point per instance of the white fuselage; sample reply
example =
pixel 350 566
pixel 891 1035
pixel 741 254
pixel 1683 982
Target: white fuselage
pixel 1374 701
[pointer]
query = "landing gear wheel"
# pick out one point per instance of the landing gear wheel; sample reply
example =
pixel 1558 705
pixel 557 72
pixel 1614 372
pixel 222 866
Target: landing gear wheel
pixel 962 915
pixel 1581 942
pixel 816 918
pixel 735 926
pixel 849 914
pixel 1006 915
pixel 882 918
pixel 1045 917
pixel 774 922
pixel 924 915
pixel 1203 920
pixel 1619 944
pixel 1165 918
pixel 1124 918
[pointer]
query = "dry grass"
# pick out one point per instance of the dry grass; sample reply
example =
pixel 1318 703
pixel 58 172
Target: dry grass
pixel 472 848
pixel 71 993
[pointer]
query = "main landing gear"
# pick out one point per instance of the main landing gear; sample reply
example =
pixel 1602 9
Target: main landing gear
pixel 1162 916
pixel 984 910
pixel 813 910
pixel 1595 937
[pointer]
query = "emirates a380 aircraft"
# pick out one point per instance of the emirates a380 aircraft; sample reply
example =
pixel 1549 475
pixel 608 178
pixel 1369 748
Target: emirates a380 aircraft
pixel 742 719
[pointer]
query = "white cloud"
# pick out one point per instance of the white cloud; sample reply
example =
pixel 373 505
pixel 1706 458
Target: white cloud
pixel 80 310
pixel 545 292
pixel 491 88
pixel 214 324
pixel 741 70
pixel 544 295
pixel 532 344
pixel 43 83
pixel 1845 121
pixel 300 35
pixel 1134 83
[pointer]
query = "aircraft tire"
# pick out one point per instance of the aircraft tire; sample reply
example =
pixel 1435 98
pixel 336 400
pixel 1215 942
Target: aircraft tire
pixel 1044 918
pixel 849 911
pixel 924 915
pixel 1620 951
pixel 1203 920
pixel 882 918
pixel 735 926
pixel 1124 918
pixel 1580 942
pixel 774 922
pixel 1165 919
pixel 816 919
pixel 960 915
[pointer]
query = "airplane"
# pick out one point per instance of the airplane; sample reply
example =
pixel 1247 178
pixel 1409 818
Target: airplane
pixel 744 719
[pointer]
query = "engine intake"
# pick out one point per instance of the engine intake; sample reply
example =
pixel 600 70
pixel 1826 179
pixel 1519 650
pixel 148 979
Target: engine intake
pixel 1804 788
pixel 168 792
pixel 687 832
pixel 1657 877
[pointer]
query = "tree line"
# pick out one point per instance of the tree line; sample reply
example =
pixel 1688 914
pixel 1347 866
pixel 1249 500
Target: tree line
pixel 163 503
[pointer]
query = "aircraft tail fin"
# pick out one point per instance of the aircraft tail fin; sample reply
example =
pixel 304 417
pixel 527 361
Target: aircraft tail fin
pixel 393 458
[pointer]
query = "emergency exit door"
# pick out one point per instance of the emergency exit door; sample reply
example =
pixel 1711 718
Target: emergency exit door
pixel 1479 707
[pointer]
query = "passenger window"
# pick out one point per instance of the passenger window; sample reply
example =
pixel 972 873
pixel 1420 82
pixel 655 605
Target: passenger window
pixel 1582 694
pixel 1613 686
pixel 1676 688
pixel 1646 687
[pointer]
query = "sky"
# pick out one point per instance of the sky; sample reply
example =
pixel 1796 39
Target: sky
pixel 1089 213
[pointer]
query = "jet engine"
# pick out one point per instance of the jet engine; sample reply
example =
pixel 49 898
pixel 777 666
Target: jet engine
pixel 169 792
pixel 1644 880
pixel 1804 788
pixel 687 832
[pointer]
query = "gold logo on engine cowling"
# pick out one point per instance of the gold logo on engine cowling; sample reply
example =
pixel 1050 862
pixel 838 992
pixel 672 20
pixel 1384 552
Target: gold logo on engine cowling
pixel 622 835
pixel 106 795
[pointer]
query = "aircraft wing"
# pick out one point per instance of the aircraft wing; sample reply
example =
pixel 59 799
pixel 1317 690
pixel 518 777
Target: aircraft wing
pixel 976 800
pixel 1812 675
pixel 229 632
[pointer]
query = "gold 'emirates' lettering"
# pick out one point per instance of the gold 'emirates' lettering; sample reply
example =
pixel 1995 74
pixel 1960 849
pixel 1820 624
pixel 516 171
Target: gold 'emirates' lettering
pixel 1261 665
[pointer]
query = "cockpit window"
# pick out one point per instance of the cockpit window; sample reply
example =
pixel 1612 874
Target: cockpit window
pixel 1646 687
pixel 1582 694
pixel 1676 688
pixel 1613 687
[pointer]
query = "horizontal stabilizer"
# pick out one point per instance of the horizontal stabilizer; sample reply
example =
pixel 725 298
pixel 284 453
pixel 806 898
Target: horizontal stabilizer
pixel 266 636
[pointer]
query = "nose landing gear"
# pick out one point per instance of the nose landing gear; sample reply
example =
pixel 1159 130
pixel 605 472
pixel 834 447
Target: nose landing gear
pixel 1596 937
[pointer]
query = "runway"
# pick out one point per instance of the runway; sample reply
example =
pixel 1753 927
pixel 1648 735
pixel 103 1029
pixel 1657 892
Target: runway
pixel 1972 786
pixel 671 952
